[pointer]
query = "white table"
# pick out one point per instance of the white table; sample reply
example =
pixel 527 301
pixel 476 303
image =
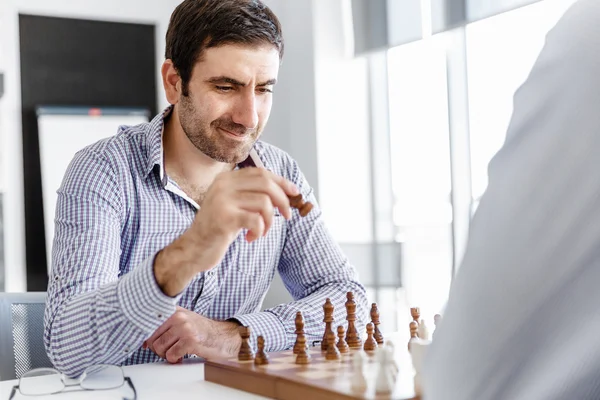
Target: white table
pixel 152 381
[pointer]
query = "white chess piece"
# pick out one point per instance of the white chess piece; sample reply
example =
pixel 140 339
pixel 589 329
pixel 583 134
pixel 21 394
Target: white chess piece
pixel 423 331
pixel 384 382
pixel 418 348
pixel 359 382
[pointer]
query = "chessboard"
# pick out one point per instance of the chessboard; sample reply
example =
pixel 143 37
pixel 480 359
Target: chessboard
pixel 343 367
pixel 320 379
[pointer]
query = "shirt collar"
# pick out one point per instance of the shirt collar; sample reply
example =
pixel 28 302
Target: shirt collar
pixel 156 151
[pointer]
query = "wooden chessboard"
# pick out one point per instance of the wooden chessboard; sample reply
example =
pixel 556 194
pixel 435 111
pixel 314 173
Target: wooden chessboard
pixel 322 379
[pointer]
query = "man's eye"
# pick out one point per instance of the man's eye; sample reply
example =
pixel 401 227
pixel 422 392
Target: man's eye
pixel 224 88
pixel 265 90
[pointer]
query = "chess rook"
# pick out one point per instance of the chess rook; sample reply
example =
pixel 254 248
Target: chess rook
pixel 341 344
pixel 302 206
pixel 370 343
pixel 328 319
pixel 261 357
pixel 352 337
pixel 375 320
pixel 246 353
pixel 299 332
pixel 415 313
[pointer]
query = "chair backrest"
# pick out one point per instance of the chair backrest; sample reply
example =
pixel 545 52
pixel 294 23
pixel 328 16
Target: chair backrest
pixel 22 333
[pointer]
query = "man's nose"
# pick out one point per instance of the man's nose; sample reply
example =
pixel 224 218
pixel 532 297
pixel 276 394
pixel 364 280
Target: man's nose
pixel 246 113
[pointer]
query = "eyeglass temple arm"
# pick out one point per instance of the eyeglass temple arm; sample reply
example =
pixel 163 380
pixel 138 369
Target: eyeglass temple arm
pixel 13 391
pixel 130 382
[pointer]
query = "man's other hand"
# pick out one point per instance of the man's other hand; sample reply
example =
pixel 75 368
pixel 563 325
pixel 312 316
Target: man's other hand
pixel 186 332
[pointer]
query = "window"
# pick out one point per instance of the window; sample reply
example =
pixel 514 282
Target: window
pixel 420 157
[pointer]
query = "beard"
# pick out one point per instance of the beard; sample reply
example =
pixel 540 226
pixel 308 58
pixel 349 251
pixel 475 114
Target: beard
pixel 210 141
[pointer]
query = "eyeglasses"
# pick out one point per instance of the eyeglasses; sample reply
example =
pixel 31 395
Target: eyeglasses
pixel 46 381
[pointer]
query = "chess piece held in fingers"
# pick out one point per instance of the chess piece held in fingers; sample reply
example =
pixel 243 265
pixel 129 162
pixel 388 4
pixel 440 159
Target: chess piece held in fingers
pixel 299 203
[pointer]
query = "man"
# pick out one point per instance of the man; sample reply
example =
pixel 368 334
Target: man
pixel 165 243
pixel 522 320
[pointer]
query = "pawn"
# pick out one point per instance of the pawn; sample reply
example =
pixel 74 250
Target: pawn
pixel 436 321
pixel 359 381
pixel 332 351
pixel 423 330
pixel 341 344
pixel 261 357
pixel 246 353
pixel 303 357
pixel 370 343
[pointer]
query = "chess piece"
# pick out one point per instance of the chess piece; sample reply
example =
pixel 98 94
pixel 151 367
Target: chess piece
pixel 375 320
pixel 246 353
pixel 352 337
pixel 302 206
pixel 303 357
pixel 418 349
pixel 370 343
pixel 299 332
pixel 436 321
pixel 413 332
pixel 341 344
pixel 423 330
pixel 415 313
pixel 392 356
pixel 359 381
pixel 384 382
pixel 261 357
pixel 328 319
pixel 332 351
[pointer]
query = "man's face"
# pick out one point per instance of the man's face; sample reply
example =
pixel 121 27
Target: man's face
pixel 229 100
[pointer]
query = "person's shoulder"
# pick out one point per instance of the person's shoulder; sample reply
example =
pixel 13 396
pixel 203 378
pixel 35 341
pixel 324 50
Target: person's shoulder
pixel 578 31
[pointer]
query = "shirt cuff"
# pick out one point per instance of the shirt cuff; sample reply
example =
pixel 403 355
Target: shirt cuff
pixel 268 325
pixel 142 300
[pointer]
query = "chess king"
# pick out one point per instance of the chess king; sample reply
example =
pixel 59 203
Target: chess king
pixel 168 234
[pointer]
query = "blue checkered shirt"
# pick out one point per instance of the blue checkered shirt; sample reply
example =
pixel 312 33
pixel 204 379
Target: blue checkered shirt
pixel 117 208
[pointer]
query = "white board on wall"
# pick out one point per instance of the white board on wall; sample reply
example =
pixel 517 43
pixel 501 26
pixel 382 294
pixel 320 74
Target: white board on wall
pixel 62 132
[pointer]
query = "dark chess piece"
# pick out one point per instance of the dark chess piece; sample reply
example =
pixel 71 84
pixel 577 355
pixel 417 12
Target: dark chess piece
pixel 352 337
pixel 302 206
pixel 370 343
pixel 261 357
pixel 303 357
pixel 246 353
pixel 332 351
pixel 375 320
pixel 328 319
pixel 341 344
pixel 299 332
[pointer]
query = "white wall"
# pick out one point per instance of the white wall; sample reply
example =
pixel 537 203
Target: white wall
pixel 155 12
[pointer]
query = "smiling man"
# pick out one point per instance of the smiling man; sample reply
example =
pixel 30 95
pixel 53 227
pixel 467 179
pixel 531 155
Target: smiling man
pixel 165 244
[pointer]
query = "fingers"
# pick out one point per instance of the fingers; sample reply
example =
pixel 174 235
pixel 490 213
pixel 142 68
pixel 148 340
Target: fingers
pixel 260 212
pixel 164 327
pixel 276 187
pixel 177 351
pixel 163 343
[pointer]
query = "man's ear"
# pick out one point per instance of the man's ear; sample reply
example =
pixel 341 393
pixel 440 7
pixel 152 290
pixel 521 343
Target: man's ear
pixel 171 82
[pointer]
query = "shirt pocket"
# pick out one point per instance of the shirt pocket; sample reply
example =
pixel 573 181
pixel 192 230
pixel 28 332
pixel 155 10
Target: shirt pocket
pixel 258 260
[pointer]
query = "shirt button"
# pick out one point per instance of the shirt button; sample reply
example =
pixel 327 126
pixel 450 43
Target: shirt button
pixel 159 316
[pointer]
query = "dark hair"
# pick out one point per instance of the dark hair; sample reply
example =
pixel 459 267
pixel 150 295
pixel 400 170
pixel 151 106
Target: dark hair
pixel 196 25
